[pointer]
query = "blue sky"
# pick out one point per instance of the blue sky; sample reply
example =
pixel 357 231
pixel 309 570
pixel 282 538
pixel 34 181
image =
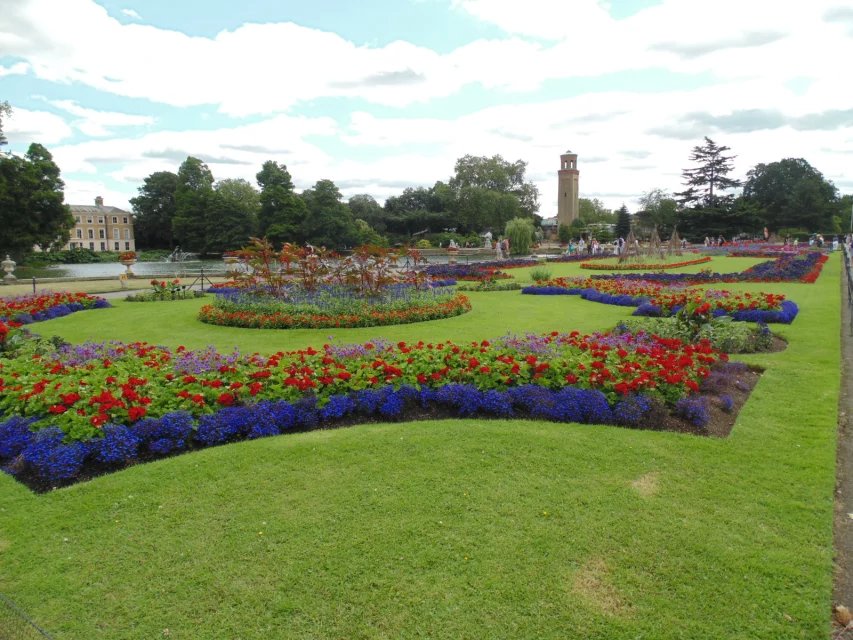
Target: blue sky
pixel 387 94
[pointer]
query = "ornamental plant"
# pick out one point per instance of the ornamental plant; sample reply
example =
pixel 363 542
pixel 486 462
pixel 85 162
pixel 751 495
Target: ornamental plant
pixel 127 255
pixel 46 305
pixel 81 388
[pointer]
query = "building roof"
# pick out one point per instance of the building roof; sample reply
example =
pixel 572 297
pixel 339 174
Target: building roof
pixel 93 209
pixel 549 222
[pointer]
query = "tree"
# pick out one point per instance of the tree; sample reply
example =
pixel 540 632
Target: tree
pixel 32 208
pixel 496 174
pixel 520 232
pixel 623 222
pixel 564 233
pixel 792 194
pixel 193 200
pixel 594 211
pixel 5 110
pixel 708 178
pixel 329 222
pixel 154 210
pixel 282 212
pixel 232 216
pixel 364 207
pixel 365 234
pixel 657 209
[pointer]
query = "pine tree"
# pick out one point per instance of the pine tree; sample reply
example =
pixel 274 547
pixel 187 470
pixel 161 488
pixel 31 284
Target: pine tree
pixel 710 176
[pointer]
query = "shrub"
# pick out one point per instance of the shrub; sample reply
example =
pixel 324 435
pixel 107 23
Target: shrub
pixel 540 274
pixel 520 233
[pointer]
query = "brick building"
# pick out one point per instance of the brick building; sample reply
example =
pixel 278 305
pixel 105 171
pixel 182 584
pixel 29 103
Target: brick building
pixel 101 228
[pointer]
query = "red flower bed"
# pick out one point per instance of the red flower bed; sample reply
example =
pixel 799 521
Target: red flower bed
pixel 80 389
pixel 247 318
pixel 643 267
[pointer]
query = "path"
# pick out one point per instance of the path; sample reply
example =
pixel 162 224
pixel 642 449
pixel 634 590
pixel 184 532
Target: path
pixel 843 527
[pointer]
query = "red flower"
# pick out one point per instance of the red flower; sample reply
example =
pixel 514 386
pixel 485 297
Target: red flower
pixel 226 399
pixel 58 408
pixel 135 413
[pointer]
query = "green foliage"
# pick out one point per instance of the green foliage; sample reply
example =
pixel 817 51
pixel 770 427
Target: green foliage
pixel 232 215
pixel 708 178
pixel 540 274
pixel 282 212
pixel 724 333
pixel 5 111
pixel 623 222
pixel 154 211
pixel 32 211
pixel 520 232
pixel 499 176
pixel 657 209
pixel 792 193
pixel 423 244
pixel 564 233
pixel 328 222
pixel 592 211
pixel 193 201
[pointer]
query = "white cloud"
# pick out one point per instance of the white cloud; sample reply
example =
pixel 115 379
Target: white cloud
pixel 265 68
pixel 17 69
pixel 26 126
pixel 130 13
pixel 98 123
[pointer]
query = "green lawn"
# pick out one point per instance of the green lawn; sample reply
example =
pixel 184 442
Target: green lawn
pixel 452 529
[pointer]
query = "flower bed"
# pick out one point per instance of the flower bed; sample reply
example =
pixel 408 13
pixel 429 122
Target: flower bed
pixel 328 307
pixel 31 308
pixel 640 267
pixel 656 300
pixel 109 404
pixel 804 267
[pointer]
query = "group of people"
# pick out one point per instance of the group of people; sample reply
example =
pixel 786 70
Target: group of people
pixel 593 247
pixel 719 241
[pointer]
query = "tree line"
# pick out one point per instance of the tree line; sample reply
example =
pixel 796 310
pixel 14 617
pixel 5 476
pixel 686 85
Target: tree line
pixel 190 209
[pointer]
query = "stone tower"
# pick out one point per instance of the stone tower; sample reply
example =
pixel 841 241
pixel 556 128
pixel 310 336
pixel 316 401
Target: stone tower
pixel 567 198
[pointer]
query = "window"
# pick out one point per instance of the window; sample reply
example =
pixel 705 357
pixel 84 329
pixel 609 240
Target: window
pixel 116 246
pixel 124 220
pixel 103 246
pixel 89 220
pixel 70 245
pixel 127 234
pixel 101 220
pixel 115 234
pixel 91 246
pixel 77 219
pixel 127 246
pixel 101 234
pixel 115 219
pixel 80 233
pixel 91 235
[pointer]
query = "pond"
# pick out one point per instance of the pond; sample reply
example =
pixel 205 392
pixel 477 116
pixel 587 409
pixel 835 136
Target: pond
pixel 115 269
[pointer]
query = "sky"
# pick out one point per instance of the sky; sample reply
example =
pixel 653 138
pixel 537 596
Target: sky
pixel 387 94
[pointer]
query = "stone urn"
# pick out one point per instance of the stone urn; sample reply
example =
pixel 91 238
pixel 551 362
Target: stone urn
pixel 128 263
pixel 8 266
pixel 231 264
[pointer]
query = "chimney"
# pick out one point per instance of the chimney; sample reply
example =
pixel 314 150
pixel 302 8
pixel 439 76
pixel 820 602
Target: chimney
pixel 99 201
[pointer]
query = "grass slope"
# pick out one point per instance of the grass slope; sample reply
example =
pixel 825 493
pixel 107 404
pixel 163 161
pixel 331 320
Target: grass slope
pixel 464 528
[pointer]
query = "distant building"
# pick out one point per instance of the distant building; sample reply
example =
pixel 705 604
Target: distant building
pixel 101 228
pixel 567 198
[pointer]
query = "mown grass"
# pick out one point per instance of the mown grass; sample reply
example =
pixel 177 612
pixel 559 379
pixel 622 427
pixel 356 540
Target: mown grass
pixel 460 528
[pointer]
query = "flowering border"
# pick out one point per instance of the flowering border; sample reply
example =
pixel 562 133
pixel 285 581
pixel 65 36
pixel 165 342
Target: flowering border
pixel 455 306
pixel 47 306
pixel 640 267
